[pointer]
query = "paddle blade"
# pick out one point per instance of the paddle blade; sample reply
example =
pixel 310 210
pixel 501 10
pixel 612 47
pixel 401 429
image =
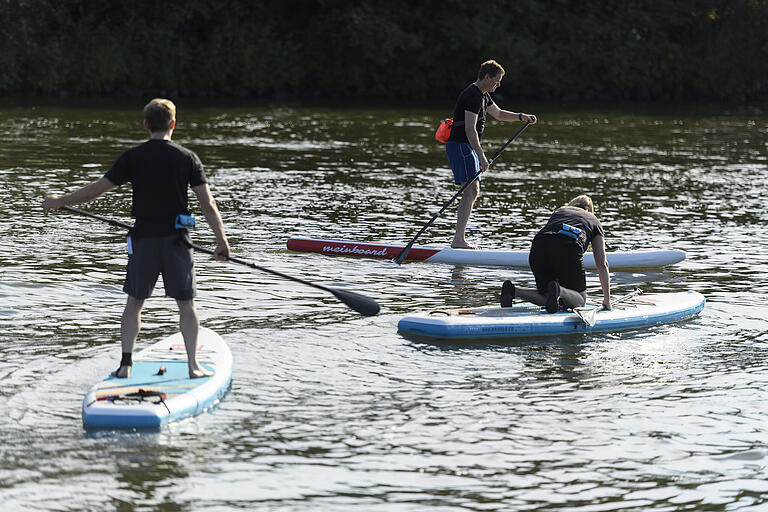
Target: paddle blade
pixel 587 315
pixel 590 316
pixel 401 257
pixel 366 306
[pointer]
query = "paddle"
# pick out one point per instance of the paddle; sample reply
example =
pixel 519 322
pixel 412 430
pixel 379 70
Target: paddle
pixel 587 315
pixel 360 303
pixel 401 256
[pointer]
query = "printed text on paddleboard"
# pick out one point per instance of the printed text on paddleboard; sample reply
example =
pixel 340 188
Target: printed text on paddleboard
pixel 344 249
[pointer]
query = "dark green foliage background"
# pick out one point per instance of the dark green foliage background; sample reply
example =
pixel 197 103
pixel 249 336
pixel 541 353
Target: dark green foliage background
pixel 622 49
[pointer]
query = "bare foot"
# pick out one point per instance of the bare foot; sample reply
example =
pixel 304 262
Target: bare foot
pixel 122 373
pixel 462 245
pixel 199 373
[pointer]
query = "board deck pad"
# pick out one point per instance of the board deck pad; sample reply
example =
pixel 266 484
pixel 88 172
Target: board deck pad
pixel 527 320
pixel 145 375
pixel 617 260
pixel 159 389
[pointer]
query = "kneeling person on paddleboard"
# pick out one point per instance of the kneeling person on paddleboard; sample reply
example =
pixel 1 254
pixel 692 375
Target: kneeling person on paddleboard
pixel 556 259
pixel 160 173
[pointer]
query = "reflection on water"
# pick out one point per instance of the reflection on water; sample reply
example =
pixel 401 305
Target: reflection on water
pixel 332 411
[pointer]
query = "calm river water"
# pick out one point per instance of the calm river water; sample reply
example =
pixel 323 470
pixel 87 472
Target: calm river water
pixel 332 411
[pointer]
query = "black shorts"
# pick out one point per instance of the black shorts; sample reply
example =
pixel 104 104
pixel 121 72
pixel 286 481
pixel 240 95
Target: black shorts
pixel 166 255
pixel 557 258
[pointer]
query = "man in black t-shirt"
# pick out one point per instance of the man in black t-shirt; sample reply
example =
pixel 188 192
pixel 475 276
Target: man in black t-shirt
pixel 556 259
pixel 465 154
pixel 160 173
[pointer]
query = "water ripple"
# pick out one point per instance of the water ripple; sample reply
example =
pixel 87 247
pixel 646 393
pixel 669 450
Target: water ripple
pixel 332 411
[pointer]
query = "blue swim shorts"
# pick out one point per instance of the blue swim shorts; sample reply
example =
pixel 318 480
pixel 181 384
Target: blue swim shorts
pixel 463 160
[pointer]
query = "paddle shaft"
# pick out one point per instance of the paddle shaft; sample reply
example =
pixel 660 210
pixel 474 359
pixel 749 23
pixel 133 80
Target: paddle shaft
pixel 84 213
pixel 360 303
pixel 201 249
pixel 234 259
pixel 589 317
pixel 401 256
pixel 624 298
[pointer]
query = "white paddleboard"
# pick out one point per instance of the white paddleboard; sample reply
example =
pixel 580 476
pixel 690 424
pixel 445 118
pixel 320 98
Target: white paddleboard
pixel 159 389
pixel 524 319
pixel 617 260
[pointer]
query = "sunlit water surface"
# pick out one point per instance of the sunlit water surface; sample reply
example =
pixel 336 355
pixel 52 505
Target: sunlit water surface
pixel 332 411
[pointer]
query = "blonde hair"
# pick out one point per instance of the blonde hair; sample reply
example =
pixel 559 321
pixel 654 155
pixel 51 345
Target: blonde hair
pixel 490 68
pixel 159 113
pixel 584 202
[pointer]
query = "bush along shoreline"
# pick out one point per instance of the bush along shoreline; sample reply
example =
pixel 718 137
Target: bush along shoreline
pixel 687 50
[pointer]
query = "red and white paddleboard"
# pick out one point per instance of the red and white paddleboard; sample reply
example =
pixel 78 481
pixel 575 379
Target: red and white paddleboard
pixel 616 260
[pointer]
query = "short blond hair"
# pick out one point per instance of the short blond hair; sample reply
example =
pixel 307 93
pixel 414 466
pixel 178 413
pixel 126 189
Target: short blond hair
pixel 159 113
pixel 584 202
pixel 490 68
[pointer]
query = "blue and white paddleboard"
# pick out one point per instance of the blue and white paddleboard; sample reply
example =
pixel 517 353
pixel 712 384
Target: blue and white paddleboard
pixel 522 320
pixel 159 389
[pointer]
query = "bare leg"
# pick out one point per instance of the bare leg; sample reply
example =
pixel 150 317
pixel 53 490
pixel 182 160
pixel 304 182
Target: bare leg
pixel 190 326
pixel 130 323
pixel 466 203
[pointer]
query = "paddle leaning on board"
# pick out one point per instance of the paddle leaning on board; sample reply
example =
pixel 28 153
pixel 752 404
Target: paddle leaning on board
pixel 362 304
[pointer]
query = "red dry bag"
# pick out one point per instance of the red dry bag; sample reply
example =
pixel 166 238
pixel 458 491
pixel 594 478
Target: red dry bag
pixel 443 132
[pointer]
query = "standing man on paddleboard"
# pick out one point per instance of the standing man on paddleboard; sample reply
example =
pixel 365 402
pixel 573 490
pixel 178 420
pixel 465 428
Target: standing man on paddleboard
pixel 556 259
pixel 465 154
pixel 160 172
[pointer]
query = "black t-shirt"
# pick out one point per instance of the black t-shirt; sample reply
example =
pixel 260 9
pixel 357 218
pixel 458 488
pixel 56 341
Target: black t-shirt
pixel 474 100
pixel 161 173
pixel 588 225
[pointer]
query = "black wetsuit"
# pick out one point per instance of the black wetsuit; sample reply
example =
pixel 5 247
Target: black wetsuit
pixel 557 251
